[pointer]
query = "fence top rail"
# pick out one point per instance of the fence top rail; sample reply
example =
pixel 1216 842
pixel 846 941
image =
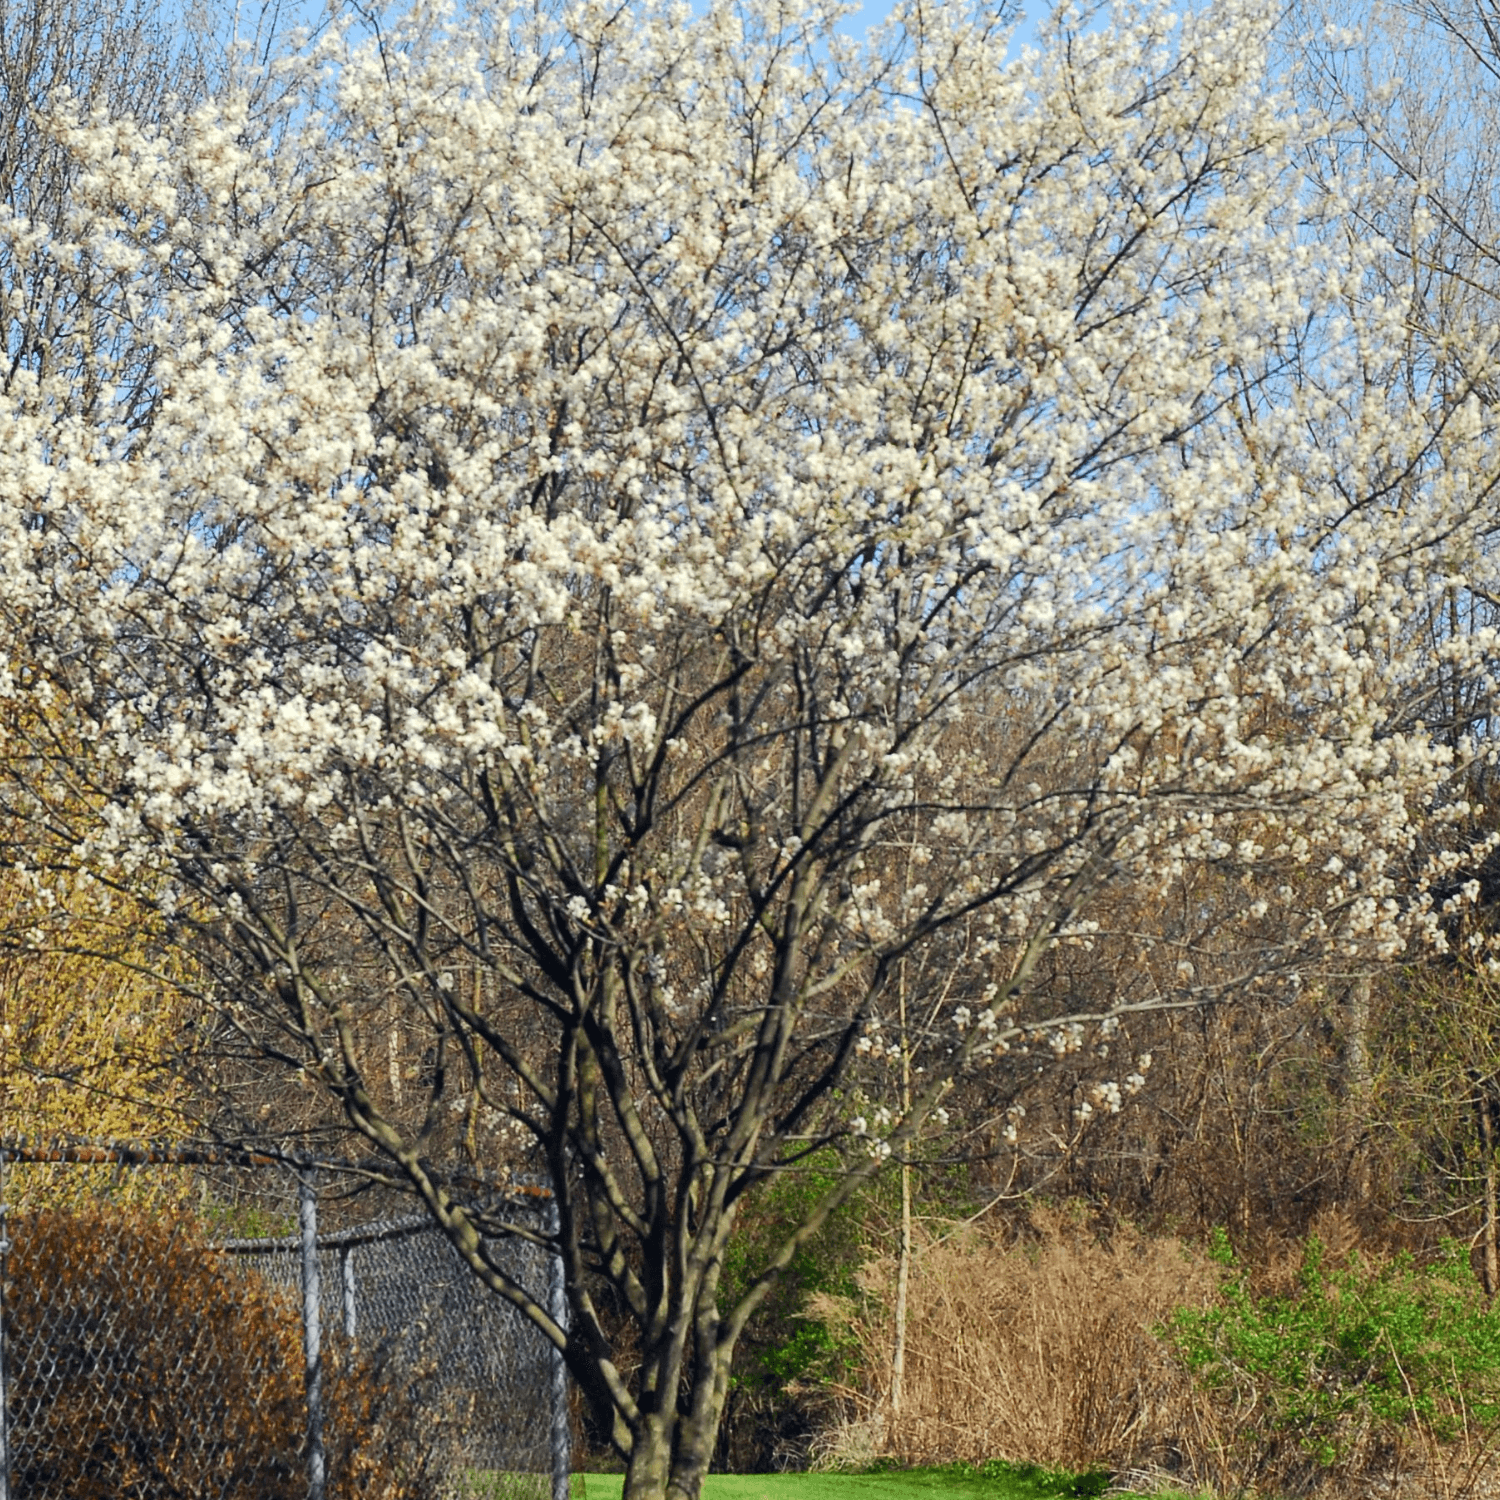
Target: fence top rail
pixel 196 1154
pixel 339 1239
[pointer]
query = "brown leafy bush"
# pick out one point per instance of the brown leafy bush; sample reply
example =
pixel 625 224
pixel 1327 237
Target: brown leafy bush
pixel 143 1365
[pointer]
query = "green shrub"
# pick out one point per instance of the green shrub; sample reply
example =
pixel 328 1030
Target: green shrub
pixel 1366 1348
pixel 782 1343
pixel 788 1355
pixel 1034 1481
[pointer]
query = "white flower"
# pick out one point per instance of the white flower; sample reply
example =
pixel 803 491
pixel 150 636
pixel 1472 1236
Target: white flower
pixel 807 459
pixel 1066 1039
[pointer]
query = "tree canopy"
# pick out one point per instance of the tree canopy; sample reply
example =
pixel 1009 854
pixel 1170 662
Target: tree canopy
pixel 612 544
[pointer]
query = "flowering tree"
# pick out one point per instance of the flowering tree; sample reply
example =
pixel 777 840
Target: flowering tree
pixel 84 1038
pixel 640 554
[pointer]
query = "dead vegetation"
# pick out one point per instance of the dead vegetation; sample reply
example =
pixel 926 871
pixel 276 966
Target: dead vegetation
pixel 1040 1341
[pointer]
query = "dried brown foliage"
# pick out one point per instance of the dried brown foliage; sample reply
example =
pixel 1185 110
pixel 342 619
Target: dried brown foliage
pixel 1035 1342
pixel 144 1365
pixel 1034 1345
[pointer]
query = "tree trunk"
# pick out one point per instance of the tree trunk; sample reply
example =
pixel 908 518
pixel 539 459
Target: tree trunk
pixel 1490 1263
pixel 903 1260
pixel 650 1464
pixel 1359 1088
pixel 696 1436
pixel 673 1448
pixel 903 1279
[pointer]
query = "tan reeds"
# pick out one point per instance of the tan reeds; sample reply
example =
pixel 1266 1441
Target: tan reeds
pixel 1035 1343
pixel 1033 1346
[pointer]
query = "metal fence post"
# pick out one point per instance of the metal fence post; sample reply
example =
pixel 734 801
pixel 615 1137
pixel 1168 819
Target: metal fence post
pixel 557 1310
pixel 350 1321
pixel 312 1338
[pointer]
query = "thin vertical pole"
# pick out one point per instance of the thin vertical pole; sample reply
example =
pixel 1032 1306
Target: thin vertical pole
pixel 903 1258
pixel 312 1335
pixel 557 1310
pixel 350 1323
pixel 1484 1106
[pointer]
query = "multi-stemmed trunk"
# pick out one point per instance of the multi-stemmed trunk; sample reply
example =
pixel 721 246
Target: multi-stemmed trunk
pixel 682 1382
pixel 673 1447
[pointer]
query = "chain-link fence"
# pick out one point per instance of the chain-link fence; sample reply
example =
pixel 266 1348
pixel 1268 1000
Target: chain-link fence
pixel 148 1352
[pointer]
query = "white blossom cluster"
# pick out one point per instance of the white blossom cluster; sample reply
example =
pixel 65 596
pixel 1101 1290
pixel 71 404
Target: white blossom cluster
pixel 437 430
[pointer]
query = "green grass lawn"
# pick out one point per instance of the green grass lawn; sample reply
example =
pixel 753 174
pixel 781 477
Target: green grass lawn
pixel 955 1482
pixel 908 1484
pixel 995 1481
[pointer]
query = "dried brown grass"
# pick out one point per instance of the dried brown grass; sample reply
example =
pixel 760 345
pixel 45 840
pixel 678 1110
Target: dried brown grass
pixel 1033 1343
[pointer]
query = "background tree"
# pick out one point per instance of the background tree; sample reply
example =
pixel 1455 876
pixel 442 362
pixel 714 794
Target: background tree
pixel 96 1039
pixel 89 1038
pixel 557 521
pixel 1410 171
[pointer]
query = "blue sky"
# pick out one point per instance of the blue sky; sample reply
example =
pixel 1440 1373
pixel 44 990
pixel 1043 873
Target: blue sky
pixel 869 15
pixel 282 15
pixel 873 12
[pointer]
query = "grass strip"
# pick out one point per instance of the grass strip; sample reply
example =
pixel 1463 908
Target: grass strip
pixel 995 1480
pixel 992 1481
